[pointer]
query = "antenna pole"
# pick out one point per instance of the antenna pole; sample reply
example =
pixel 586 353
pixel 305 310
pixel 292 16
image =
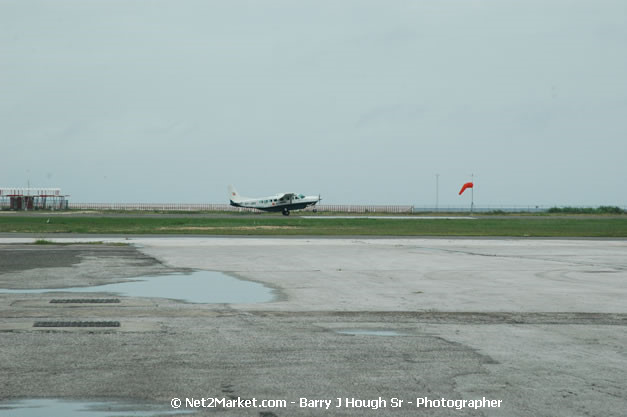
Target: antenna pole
pixel 437 190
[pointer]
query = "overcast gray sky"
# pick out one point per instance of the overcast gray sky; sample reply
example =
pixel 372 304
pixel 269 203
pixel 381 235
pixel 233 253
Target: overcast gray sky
pixel 362 101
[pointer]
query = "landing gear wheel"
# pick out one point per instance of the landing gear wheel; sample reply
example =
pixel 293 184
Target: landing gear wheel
pixel 286 212
pixel 315 210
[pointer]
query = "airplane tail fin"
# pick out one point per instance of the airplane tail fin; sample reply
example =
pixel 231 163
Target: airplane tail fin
pixel 234 195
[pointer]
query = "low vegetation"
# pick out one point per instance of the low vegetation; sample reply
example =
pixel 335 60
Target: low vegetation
pixel 43 242
pixel 98 242
pixel 587 210
pixel 523 226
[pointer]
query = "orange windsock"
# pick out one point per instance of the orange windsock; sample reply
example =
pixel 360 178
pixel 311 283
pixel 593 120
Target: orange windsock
pixel 467 185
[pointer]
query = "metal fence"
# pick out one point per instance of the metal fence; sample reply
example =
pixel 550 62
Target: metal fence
pixel 350 208
pixel 496 208
pixel 226 207
pixel 153 207
pixel 482 209
pixel 342 208
pixel 26 203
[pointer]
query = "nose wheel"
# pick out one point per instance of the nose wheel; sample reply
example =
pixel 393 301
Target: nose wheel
pixel 286 212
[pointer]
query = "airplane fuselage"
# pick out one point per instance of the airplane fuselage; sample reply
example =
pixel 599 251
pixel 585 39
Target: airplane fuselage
pixel 280 202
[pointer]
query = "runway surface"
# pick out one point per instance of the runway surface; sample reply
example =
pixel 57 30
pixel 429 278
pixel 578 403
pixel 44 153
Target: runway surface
pixel 294 214
pixel 537 324
pixel 392 217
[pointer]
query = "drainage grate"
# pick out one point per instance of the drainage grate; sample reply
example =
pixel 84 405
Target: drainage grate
pixel 76 324
pixel 84 300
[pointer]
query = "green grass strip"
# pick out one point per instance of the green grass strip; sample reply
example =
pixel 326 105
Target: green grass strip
pixel 279 226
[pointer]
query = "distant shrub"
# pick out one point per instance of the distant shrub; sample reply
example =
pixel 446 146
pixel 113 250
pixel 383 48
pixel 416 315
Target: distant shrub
pixel 43 242
pixel 611 210
pixel 571 210
pixel 587 210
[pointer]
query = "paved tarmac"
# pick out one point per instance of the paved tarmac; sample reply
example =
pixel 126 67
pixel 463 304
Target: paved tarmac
pixel 537 324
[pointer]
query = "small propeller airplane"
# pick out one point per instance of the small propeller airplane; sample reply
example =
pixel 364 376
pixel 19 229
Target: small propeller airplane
pixel 281 202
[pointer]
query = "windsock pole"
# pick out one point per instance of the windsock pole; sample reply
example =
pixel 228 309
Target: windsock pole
pixel 472 193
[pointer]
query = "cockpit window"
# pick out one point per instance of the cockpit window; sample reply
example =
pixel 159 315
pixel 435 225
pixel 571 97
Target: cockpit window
pixel 301 196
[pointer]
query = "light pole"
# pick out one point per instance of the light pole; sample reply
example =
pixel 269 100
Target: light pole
pixel 437 190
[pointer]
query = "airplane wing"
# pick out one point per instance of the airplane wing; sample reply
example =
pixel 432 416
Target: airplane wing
pixel 287 196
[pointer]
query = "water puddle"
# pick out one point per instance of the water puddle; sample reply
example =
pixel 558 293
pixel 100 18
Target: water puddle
pixel 362 332
pixel 207 287
pixel 65 408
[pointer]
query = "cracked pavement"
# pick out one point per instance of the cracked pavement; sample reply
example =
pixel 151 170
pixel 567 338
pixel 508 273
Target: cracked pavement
pixel 538 324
